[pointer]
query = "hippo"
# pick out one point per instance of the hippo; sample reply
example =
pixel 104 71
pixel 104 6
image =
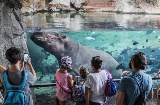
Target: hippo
pixel 61 45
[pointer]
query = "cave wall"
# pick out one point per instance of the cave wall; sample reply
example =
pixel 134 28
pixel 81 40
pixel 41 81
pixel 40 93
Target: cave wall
pixel 12 32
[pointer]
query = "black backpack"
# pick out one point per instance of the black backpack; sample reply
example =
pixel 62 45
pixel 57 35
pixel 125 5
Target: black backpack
pixel 140 100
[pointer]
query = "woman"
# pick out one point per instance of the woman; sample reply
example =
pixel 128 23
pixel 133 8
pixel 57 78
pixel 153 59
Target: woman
pixel 95 83
pixel 131 86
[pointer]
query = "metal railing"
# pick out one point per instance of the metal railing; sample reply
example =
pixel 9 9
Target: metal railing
pixel 54 84
pixel 50 99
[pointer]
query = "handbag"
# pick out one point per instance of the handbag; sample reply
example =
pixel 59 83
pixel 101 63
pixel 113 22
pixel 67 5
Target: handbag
pixel 111 86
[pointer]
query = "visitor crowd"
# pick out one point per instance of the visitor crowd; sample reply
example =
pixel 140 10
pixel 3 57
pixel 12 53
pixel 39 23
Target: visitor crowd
pixel 131 86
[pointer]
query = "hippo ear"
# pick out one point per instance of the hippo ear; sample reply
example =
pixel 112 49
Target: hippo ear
pixel 63 37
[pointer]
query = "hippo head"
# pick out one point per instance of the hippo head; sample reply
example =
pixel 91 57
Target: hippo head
pixel 56 44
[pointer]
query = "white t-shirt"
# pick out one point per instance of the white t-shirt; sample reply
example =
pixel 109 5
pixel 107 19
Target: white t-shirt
pixel 97 83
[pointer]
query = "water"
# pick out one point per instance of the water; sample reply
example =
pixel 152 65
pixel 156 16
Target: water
pixel 117 34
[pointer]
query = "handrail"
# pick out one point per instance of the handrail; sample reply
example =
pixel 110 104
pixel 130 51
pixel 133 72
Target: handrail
pixel 54 84
pixel 43 85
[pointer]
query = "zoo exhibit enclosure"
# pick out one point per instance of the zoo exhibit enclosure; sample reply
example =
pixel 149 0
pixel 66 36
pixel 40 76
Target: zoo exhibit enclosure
pixel 119 35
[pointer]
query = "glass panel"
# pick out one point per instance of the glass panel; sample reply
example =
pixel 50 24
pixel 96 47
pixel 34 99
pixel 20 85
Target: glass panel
pixel 120 35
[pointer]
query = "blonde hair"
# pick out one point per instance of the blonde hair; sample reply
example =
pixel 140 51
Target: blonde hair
pixel 83 72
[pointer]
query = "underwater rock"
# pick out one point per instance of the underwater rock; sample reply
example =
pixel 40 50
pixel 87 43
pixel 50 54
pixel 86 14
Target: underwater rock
pixel 150 62
pixel 121 66
pixel 60 45
pixel 146 40
pixel 149 32
pixel 152 50
pixel 112 44
pixel 124 52
pixel 135 43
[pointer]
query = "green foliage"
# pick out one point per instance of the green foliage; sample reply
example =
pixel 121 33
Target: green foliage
pixel 152 2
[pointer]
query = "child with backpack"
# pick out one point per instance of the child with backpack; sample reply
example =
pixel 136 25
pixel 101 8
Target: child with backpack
pixel 16 81
pixel 79 88
pixel 64 81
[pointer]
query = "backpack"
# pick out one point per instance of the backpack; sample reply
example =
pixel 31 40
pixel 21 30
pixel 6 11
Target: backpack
pixel 78 92
pixel 14 95
pixel 140 100
pixel 111 86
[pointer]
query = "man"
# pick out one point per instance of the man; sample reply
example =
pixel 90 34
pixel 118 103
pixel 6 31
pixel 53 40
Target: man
pixel 15 73
pixel 136 83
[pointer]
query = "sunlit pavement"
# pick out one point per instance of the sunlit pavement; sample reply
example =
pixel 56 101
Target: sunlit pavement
pixel 52 101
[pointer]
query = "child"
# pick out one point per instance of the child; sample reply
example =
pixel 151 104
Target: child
pixel 63 80
pixel 15 75
pixel 80 80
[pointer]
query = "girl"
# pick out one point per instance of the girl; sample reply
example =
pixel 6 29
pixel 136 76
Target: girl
pixel 80 81
pixel 63 80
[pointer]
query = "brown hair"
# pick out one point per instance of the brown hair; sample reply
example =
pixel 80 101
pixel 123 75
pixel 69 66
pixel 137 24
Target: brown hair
pixel 96 62
pixel 139 60
pixel 83 72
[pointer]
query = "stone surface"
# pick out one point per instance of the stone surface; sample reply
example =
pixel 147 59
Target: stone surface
pixel 12 28
pixel 126 6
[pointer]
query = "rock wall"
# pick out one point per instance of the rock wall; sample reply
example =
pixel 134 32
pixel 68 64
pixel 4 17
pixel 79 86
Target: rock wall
pixel 12 28
pixel 126 6
pixel 101 3
pixel 33 5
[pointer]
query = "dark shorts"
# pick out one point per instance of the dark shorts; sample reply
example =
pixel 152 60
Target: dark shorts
pixel 81 103
pixel 94 103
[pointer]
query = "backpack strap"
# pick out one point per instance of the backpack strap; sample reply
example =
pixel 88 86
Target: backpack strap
pixel 63 89
pixel 14 87
pixel 108 74
pixel 141 92
pixel 83 83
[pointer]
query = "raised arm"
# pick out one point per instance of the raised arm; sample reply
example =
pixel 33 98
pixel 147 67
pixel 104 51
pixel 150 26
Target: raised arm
pixel 31 69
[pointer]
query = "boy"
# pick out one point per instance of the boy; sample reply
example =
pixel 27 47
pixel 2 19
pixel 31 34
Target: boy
pixel 15 73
